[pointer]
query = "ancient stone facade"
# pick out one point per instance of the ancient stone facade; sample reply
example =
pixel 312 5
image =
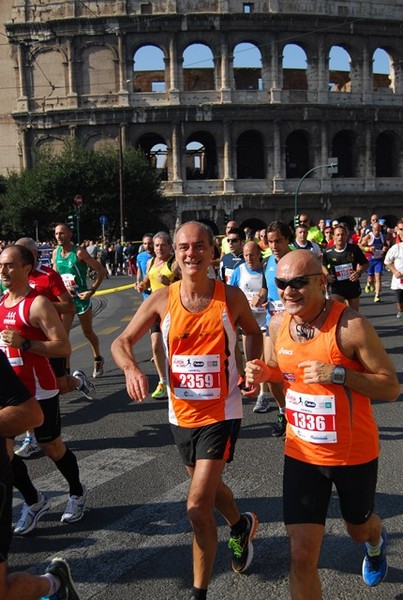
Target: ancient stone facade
pixel 230 141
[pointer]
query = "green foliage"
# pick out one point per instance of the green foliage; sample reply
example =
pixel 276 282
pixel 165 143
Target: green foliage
pixel 46 193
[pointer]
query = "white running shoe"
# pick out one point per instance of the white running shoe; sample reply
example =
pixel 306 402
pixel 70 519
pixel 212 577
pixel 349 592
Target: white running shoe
pixel 28 447
pixel 75 508
pixel 98 368
pixel 86 386
pixel 30 515
pixel 262 404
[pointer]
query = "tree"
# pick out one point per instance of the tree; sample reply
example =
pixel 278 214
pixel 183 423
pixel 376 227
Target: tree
pixel 46 192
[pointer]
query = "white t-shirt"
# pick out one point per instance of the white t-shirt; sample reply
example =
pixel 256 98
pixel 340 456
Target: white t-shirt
pixel 394 256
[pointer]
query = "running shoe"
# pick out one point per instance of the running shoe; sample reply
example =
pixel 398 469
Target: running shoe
pixel 399 315
pixel 30 515
pixel 262 404
pixel 28 447
pixel 160 391
pixel 98 368
pixel 279 426
pixel 367 288
pixel 374 568
pixel 75 508
pixel 377 299
pixel 241 545
pixel 60 569
pixel 86 386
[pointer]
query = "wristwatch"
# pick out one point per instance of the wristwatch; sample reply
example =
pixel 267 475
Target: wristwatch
pixel 26 344
pixel 339 375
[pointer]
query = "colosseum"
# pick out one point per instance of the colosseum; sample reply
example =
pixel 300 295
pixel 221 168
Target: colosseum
pixel 205 89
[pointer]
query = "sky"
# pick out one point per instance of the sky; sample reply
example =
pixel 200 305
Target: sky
pixel 247 55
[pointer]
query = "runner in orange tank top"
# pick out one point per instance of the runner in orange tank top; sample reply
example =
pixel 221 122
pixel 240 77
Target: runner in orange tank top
pixel 199 317
pixel 333 363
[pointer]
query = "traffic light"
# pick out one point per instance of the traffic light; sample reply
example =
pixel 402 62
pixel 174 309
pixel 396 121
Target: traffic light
pixel 71 222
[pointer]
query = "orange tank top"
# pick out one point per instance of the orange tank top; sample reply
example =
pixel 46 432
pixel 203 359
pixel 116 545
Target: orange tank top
pixel 201 370
pixel 328 424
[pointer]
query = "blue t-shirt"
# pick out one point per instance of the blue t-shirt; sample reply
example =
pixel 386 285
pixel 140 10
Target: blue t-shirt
pixel 142 260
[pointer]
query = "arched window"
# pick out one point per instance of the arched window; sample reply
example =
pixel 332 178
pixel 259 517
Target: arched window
pixel 198 68
pixel 156 150
pixel 339 70
pixel 294 68
pixel 201 156
pixel 148 70
pixel 297 155
pixel 250 156
pixel 343 147
pixel 247 67
pixel 386 155
pixel 381 70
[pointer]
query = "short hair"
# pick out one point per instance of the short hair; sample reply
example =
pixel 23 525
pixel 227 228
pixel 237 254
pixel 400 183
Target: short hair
pixel 204 226
pixel 282 227
pixel 151 235
pixel 27 242
pixel 341 226
pixel 163 235
pixel 239 232
pixel 26 256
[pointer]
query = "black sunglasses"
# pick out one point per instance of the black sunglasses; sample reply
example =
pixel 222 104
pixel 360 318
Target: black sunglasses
pixel 229 240
pixel 296 283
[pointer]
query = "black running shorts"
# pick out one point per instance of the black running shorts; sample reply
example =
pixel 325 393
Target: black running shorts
pixel 214 442
pixel 307 490
pixel 52 423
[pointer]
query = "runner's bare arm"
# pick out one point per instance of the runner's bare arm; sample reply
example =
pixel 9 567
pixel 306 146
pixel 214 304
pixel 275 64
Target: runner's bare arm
pixel 358 340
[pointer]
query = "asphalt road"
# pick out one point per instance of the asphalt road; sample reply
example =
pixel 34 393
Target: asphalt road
pixel 134 541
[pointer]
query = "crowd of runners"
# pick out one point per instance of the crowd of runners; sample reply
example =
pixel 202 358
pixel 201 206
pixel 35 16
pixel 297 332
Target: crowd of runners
pixel 217 309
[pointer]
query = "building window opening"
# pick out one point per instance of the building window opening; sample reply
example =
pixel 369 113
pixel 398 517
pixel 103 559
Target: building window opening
pixel 342 148
pixel 201 157
pixel 149 70
pixel 198 73
pixel 297 155
pixel 247 8
pixel 382 76
pixel 339 70
pixel 247 67
pixel 386 164
pixel 250 156
pixel 294 68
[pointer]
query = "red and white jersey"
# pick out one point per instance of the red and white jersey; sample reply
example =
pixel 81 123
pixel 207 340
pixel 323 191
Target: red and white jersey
pixel 48 282
pixel 33 370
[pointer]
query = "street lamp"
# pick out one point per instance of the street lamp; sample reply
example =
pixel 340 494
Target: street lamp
pixel 331 165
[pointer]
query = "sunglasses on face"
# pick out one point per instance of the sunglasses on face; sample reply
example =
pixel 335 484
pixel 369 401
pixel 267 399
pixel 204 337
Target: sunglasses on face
pixel 296 283
pixel 232 240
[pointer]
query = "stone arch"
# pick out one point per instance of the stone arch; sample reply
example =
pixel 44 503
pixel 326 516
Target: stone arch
pixel 48 68
pixel 297 154
pixel 382 76
pixel 339 78
pixel 386 155
pixel 294 67
pixel 201 156
pixel 343 148
pixel 101 141
pixel 247 65
pixel 198 74
pixel 99 69
pixel 149 69
pixel 250 155
pixel 156 150
pixel 53 143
